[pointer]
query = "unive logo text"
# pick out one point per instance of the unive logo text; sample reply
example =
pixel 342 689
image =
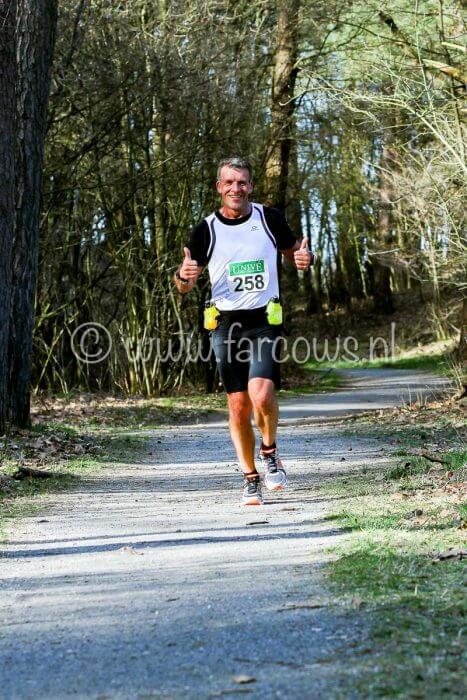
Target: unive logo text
pixel 246 268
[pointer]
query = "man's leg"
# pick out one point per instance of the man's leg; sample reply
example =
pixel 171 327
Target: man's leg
pixel 241 431
pixel 243 439
pixel 266 411
pixel 234 375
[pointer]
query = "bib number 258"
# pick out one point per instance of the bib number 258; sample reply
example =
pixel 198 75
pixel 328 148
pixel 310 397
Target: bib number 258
pixel 248 283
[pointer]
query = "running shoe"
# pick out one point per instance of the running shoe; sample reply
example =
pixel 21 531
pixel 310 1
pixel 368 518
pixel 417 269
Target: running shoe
pixel 275 478
pixel 252 495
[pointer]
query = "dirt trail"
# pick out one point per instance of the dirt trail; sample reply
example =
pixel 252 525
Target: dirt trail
pixel 150 580
pixel 362 390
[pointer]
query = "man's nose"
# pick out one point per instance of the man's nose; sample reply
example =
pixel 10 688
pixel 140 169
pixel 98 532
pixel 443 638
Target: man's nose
pixel 236 188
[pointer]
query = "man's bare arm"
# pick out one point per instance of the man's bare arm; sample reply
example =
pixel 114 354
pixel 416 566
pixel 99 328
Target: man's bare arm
pixel 299 255
pixel 187 274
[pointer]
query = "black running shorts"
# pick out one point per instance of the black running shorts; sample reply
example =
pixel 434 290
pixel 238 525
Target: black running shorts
pixel 246 346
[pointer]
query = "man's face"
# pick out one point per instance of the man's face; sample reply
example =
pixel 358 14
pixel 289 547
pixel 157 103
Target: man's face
pixel 234 187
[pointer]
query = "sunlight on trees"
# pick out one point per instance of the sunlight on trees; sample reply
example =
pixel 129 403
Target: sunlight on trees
pixel 147 96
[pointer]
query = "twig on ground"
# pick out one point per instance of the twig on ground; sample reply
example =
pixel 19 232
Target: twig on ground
pixel 25 472
pixel 437 460
pixel 456 554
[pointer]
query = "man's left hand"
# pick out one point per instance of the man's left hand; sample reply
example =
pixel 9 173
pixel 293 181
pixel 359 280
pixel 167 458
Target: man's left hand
pixel 303 258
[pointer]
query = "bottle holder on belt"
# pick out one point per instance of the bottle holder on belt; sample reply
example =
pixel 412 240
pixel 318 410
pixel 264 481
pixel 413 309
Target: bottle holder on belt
pixel 273 314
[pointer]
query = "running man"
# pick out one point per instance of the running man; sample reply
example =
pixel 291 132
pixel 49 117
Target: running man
pixel 239 244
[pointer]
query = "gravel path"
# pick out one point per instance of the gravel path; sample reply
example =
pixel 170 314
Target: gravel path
pixel 362 390
pixel 150 581
pixel 367 390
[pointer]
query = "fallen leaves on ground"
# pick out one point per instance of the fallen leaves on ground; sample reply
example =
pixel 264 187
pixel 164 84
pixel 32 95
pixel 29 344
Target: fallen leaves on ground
pixel 105 410
pixel 25 445
pixel 26 455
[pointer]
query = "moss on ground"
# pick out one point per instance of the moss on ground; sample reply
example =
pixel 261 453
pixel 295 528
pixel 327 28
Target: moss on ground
pixel 402 567
pixel 440 363
pixel 19 498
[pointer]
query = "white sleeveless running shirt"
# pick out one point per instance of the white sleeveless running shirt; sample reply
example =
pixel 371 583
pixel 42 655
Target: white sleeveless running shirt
pixel 242 262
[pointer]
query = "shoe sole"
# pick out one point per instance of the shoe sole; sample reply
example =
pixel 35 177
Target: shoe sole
pixel 252 502
pixel 275 487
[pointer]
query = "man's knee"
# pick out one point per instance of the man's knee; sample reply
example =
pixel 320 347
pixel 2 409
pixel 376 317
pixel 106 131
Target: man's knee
pixel 239 406
pixel 262 394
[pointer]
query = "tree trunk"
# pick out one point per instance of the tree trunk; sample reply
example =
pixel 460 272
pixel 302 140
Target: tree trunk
pixel 282 126
pixel 294 217
pixel 36 24
pixel 461 351
pixel 282 105
pixel 382 293
pixel 7 186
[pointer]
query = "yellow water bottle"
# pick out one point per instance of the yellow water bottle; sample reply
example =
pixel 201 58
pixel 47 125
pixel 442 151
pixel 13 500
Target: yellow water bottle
pixel 274 312
pixel 211 314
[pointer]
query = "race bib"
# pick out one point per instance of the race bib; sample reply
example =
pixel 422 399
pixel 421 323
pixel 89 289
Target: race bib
pixel 248 276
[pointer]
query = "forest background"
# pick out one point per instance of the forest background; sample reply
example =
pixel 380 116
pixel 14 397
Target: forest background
pixel 352 115
pixel 113 117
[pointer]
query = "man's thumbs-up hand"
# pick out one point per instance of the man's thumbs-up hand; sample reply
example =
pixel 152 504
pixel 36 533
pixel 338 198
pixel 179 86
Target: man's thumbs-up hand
pixel 189 269
pixel 302 256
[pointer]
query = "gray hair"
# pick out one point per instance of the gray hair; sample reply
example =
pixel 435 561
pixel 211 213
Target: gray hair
pixel 236 162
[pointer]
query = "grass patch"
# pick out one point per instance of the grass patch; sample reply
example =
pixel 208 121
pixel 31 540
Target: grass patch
pixel 104 413
pixel 415 602
pixel 27 497
pixel 19 498
pixel 313 382
pixel 438 364
pixel 438 425
pixel 454 460
pixel 418 612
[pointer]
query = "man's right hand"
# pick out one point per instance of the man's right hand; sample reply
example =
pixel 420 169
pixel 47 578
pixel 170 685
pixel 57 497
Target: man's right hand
pixel 189 269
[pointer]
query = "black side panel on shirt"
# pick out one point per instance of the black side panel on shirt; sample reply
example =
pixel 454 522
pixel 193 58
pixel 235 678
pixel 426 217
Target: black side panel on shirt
pixel 198 243
pixel 280 229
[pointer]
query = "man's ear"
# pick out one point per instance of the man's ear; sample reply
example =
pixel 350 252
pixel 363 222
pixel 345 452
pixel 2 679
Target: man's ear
pixel 250 187
pixel 218 187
